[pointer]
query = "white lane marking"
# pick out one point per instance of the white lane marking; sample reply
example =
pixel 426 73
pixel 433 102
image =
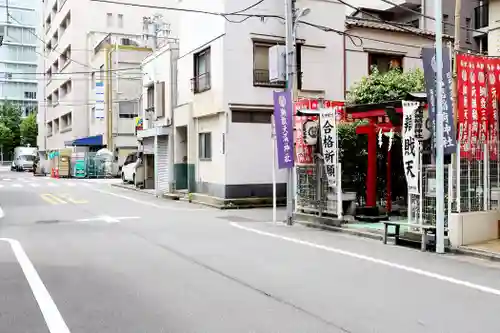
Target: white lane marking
pixel 6 179
pixel 417 271
pixel 17 185
pixel 52 185
pixel 147 202
pixel 71 184
pixel 109 219
pixel 34 185
pixel 2 214
pixel 53 319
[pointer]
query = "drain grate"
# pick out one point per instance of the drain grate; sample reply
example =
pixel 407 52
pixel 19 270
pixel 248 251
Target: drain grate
pixel 49 221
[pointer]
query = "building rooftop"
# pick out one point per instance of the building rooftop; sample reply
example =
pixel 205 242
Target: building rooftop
pixel 389 26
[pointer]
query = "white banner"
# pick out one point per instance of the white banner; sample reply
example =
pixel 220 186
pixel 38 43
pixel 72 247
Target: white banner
pixel 99 100
pixel 411 147
pixel 328 123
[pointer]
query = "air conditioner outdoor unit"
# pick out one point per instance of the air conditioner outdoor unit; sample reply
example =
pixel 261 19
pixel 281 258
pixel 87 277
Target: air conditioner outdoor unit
pixel 277 63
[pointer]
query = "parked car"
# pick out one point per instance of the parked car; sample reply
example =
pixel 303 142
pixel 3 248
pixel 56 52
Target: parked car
pixel 129 168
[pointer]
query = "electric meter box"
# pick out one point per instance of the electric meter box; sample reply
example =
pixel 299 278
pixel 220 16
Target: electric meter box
pixel 277 63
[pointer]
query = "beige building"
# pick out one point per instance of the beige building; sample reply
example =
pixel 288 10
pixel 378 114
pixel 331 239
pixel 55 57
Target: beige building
pixel 381 45
pixel 71 30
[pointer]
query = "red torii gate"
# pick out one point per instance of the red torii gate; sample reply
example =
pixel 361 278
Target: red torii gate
pixel 385 116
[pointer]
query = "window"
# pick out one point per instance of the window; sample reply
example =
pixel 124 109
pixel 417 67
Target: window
pixel 150 101
pixel 445 24
pixel 127 109
pixel 30 94
pixel 384 62
pixel 120 20
pixel 109 20
pixel 251 117
pixel 205 146
pixel 261 65
pixel 468 26
pixel 415 23
pixel 201 79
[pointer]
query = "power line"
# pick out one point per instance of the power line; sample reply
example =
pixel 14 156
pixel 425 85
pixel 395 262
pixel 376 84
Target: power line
pixel 394 24
pixel 428 16
pixel 247 8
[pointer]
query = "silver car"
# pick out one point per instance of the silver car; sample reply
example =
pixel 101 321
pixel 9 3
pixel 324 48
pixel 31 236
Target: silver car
pixel 24 163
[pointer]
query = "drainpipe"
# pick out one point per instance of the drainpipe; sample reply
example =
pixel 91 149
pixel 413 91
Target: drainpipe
pixel 173 104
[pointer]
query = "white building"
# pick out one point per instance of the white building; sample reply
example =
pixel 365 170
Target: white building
pixel 18 57
pixel 222 129
pixel 71 31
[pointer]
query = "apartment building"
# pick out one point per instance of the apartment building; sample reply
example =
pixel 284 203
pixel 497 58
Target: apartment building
pixel 493 28
pixel 71 31
pixel 222 129
pixel 474 17
pixel 18 54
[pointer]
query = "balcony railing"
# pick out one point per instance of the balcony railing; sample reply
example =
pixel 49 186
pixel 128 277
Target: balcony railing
pixel 261 78
pixel 481 16
pixel 201 83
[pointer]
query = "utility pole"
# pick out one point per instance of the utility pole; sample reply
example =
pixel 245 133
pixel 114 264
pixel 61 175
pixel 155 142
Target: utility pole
pixel 439 130
pixel 289 59
pixel 458 19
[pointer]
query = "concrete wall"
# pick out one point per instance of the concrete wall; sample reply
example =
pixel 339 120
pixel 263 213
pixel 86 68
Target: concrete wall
pixel 473 228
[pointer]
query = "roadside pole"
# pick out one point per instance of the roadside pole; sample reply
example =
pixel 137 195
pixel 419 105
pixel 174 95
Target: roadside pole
pixel 439 130
pixel 289 60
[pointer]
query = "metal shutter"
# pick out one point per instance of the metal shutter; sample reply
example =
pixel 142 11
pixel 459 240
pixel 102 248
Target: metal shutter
pixel 162 160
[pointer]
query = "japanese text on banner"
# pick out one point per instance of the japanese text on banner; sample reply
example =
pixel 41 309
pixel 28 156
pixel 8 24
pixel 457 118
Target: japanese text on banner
pixel 284 128
pixel 464 123
pixel 328 124
pixel 411 147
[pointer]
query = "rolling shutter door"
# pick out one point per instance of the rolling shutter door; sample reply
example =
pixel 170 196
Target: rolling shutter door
pixel 162 160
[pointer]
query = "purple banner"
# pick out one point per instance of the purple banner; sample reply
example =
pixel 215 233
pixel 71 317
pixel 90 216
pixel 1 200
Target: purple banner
pixel 283 106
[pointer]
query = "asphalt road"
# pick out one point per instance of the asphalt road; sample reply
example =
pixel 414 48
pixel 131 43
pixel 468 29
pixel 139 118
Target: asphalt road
pixel 78 256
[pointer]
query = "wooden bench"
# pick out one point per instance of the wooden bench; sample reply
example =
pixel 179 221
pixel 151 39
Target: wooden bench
pixel 425 229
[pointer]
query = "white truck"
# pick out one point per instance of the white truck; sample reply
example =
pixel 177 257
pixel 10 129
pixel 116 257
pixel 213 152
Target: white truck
pixel 23 158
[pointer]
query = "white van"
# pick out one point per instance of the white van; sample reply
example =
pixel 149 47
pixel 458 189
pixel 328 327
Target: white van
pixel 129 168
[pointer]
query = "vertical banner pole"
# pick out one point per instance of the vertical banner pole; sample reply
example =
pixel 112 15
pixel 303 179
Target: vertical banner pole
pixel 458 199
pixel 421 181
pixel 469 203
pixel 273 143
pixel 450 190
pixel 339 191
pixel 485 178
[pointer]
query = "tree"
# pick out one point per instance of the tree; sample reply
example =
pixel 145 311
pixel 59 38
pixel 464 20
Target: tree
pixel 29 130
pixel 10 120
pixel 376 88
pixel 382 87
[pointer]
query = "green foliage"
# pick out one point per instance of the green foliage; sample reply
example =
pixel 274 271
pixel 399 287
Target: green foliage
pixel 29 130
pixel 10 121
pixel 381 87
pixel 353 154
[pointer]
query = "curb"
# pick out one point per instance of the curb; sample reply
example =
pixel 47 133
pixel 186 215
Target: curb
pixel 351 232
pixel 130 188
pixel 492 256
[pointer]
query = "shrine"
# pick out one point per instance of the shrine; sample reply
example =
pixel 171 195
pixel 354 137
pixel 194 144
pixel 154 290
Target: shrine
pixel 381 118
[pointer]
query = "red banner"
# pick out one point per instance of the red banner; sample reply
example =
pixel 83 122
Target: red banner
pixel 463 71
pixel 493 70
pixel 303 152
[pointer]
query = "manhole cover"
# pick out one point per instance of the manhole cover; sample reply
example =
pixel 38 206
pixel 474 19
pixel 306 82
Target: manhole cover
pixel 237 219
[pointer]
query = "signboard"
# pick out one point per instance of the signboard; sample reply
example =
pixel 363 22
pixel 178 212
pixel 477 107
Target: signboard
pixel 283 105
pixel 430 67
pixel 411 147
pixel 329 143
pixel 99 100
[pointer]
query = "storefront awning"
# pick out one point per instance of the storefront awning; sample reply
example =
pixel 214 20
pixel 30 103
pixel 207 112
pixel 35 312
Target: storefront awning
pixel 95 140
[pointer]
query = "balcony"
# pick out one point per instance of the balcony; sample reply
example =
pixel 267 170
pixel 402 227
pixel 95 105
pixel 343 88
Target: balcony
pixel 261 79
pixel 481 16
pixel 201 83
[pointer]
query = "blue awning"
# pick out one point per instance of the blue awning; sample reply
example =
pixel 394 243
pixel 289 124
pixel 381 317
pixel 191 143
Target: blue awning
pixel 88 141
